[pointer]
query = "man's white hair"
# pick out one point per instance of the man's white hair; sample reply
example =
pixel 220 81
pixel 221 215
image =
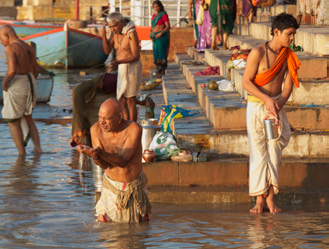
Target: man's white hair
pixel 114 16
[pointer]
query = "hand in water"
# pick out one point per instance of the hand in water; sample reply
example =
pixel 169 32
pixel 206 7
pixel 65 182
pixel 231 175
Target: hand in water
pixel 93 152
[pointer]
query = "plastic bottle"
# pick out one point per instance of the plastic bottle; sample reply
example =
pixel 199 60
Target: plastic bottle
pixel 147 108
pixel 152 104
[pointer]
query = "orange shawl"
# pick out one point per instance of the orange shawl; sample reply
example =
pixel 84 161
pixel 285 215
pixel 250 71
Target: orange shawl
pixel 286 54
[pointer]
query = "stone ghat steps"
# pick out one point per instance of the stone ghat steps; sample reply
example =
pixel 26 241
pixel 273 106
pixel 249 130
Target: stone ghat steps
pixel 309 93
pixel 227 110
pixel 313 80
pixel 313 39
pixel 287 196
pixel 312 88
pixel 234 171
pixel 197 132
pixel 312 66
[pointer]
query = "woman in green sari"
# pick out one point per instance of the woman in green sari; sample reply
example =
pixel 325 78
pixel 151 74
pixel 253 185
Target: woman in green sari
pixel 221 13
pixel 161 37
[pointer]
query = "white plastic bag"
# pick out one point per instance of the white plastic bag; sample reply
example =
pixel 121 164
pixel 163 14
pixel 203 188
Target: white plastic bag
pixel 225 86
pixel 164 145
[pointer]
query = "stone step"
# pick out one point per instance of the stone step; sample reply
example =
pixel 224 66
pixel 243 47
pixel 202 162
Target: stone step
pixel 313 39
pixel 309 93
pixel 234 171
pixel 265 14
pixel 230 195
pixel 228 143
pixel 196 133
pixel 227 111
pixel 312 66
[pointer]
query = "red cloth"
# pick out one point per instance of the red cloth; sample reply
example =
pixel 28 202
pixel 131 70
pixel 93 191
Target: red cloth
pixel 164 18
pixel 110 83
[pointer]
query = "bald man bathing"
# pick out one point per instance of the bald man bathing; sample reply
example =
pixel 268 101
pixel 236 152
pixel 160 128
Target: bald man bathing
pixel 117 149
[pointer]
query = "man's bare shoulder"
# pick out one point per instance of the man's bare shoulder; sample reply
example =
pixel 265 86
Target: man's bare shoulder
pixel 258 51
pixel 134 126
pixel 95 128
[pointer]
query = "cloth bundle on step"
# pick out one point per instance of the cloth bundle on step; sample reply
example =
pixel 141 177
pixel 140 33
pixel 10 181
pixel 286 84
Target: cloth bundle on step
pixel 169 112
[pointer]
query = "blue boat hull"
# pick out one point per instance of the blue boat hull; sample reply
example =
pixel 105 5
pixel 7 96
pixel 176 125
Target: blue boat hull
pixel 44 88
pixel 69 48
pixel 23 29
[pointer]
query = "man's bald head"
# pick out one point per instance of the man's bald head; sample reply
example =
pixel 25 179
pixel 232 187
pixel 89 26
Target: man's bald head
pixel 8 30
pixel 7 34
pixel 110 115
pixel 112 106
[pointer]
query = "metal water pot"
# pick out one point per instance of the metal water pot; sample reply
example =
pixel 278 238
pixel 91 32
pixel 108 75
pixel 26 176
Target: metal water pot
pixel 150 127
pixel 271 130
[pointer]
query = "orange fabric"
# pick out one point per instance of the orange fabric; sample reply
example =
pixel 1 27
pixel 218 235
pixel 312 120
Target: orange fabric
pixel 293 62
pixel 143 32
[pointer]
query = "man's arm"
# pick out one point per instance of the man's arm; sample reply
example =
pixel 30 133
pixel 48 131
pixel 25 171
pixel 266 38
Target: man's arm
pixel 287 89
pixel 249 74
pixel 129 149
pixel 108 44
pixel 11 71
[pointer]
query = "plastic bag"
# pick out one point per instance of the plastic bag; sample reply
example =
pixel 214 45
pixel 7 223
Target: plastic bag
pixel 225 86
pixel 164 145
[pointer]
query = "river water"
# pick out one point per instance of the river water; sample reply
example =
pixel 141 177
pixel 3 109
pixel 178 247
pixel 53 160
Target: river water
pixel 47 201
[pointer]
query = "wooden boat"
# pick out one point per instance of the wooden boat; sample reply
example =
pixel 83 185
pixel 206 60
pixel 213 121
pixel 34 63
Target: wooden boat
pixel 24 28
pixel 68 48
pixel 44 87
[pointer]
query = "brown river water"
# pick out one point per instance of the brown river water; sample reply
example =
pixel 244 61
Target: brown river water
pixel 47 201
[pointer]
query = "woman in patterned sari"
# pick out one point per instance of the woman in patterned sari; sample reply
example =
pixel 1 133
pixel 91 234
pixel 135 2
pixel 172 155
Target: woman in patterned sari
pixel 160 36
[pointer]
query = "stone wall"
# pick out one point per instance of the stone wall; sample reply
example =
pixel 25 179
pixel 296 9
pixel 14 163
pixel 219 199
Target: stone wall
pixel 7 3
pixel 313 11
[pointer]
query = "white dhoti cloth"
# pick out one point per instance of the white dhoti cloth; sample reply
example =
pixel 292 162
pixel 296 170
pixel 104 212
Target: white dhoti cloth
pixel 124 202
pixel 265 155
pixel 18 101
pixel 129 79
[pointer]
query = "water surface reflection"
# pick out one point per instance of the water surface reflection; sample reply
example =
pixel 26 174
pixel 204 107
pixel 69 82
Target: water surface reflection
pixel 47 202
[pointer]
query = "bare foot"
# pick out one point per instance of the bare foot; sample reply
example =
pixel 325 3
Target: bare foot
pixel 102 218
pixel 225 47
pixel 259 207
pixel 272 207
pixel 214 46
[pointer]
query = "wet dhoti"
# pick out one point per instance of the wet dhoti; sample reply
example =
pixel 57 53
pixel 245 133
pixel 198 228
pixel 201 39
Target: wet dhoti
pixel 265 155
pixel 18 101
pixel 129 79
pixel 124 202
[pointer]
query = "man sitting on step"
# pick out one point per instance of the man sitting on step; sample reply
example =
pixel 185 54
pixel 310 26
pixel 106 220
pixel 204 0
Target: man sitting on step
pixel 266 68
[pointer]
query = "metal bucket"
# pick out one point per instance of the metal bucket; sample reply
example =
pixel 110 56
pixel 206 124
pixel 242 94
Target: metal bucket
pixel 150 127
pixel 271 130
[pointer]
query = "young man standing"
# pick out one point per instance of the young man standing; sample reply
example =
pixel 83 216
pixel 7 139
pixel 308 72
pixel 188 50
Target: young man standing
pixel 266 67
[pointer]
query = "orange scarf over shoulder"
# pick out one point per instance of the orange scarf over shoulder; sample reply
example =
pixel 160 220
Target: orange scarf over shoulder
pixel 286 54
